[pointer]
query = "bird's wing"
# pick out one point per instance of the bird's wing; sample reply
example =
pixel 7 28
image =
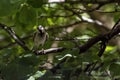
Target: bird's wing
pixel 34 34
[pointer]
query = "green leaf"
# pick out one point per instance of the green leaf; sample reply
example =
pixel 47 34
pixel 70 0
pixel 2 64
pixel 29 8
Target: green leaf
pixel 109 48
pixel 36 3
pixel 105 66
pixel 8 7
pixel 8 20
pixel 50 76
pixel 84 77
pixel 16 71
pixel 115 69
pixel 89 57
pixel 27 15
pixel 109 7
pixel 116 17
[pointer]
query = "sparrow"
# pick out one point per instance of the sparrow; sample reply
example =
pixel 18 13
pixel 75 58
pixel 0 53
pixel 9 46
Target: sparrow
pixel 39 38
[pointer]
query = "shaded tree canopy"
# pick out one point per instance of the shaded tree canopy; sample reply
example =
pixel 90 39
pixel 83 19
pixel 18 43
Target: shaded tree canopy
pixel 83 41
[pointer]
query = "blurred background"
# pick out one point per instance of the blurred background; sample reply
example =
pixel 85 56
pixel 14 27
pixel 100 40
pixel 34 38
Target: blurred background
pixel 69 23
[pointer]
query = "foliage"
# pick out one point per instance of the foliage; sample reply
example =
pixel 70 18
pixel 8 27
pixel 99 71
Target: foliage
pixel 69 24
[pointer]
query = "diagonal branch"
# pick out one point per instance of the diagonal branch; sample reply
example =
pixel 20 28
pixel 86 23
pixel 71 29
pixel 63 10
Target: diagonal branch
pixel 102 37
pixel 14 36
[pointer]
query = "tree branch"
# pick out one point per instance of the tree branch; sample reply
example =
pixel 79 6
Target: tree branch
pixel 86 1
pixel 47 51
pixel 102 37
pixel 82 48
pixel 14 36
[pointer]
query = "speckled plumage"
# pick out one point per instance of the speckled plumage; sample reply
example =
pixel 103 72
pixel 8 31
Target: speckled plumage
pixel 39 38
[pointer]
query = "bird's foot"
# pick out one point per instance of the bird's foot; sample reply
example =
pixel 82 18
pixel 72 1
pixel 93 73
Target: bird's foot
pixel 42 51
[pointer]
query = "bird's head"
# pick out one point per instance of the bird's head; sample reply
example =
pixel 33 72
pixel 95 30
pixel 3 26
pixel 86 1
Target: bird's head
pixel 41 29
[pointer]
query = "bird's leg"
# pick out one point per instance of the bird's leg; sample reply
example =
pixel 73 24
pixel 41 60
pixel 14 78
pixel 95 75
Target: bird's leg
pixel 42 50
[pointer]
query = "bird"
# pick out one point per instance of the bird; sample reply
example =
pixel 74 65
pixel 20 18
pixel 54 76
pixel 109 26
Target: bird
pixel 39 38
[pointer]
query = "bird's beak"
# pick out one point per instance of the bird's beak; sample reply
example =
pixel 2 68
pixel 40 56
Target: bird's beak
pixel 41 29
